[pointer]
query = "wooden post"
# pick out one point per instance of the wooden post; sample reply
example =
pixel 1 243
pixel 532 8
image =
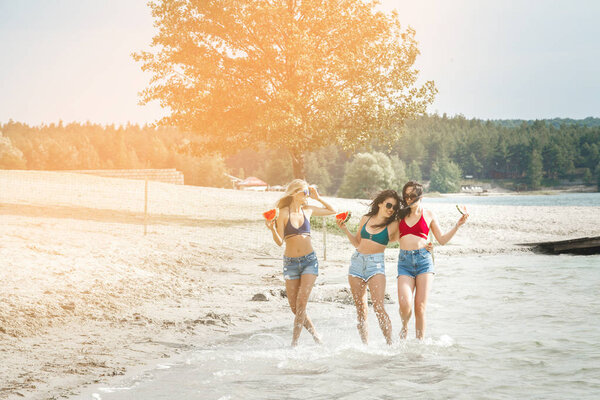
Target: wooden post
pixel 324 238
pixel 146 207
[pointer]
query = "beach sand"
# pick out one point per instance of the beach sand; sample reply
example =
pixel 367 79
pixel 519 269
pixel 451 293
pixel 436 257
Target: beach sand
pixel 85 295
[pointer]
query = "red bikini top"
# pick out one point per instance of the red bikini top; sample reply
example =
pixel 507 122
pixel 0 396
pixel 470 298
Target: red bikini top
pixel 419 229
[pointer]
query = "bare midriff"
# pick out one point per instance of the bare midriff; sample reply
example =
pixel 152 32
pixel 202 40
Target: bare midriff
pixel 367 246
pixel 298 246
pixel 412 242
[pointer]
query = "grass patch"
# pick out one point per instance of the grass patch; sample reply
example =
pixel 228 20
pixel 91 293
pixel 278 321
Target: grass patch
pixel 319 223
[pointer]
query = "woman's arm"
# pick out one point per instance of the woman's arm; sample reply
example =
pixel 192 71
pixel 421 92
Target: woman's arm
pixel 444 238
pixel 393 232
pixel 276 227
pixel 354 238
pixel 327 209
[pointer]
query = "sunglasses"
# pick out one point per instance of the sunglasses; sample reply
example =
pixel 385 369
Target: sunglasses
pixel 390 205
pixel 305 191
pixel 411 196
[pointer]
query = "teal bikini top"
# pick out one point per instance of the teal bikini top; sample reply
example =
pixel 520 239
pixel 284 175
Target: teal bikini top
pixel 382 237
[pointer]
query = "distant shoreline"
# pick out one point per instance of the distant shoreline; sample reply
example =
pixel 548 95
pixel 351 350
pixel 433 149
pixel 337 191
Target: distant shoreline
pixel 506 192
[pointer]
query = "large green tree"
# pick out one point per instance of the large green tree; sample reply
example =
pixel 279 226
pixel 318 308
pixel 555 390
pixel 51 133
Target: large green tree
pixel 367 174
pixel 295 75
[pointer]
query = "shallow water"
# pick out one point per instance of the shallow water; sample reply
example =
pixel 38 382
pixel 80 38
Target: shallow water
pixel 499 327
pixel 563 199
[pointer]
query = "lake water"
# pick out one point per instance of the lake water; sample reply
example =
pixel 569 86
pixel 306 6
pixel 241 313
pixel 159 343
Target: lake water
pixel 499 327
pixel 565 199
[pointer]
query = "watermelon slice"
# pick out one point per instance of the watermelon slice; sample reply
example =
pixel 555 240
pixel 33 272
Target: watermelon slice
pixel 344 216
pixel 461 209
pixel 271 215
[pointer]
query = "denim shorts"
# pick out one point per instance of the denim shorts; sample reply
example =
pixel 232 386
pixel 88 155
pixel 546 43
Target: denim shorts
pixel 365 266
pixel 293 267
pixel 415 262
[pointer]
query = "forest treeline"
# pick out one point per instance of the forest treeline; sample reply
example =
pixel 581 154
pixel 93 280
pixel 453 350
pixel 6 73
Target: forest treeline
pixel 93 146
pixel 439 149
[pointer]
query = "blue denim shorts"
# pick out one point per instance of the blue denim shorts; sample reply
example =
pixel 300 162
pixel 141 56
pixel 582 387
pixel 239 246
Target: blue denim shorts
pixel 365 266
pixel 293 267
pixel 415 262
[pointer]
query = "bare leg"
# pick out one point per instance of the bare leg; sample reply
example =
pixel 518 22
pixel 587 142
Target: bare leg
pixel 377 289
pixel 307 282
pixel 358 287
pixel 423 284
pixel 292 286
pixel 406 285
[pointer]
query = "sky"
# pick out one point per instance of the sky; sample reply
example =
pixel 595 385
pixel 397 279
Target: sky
pixel 70 60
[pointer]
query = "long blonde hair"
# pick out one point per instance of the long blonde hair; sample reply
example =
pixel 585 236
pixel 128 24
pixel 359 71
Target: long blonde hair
pixel 292 188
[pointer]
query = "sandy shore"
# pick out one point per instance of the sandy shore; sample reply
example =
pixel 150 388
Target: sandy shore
pixel 86 296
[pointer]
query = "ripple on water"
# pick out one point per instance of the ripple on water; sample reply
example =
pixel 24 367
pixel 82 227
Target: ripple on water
pixel 522 325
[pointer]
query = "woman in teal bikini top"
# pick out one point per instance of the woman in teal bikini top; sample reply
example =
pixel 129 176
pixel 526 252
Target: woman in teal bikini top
pixel 367 265
pixel 382 237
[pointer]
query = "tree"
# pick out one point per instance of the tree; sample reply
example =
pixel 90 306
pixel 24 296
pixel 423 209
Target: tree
pixel 555 161
pixel 294 75
pixel 413 173
pixel 472 166
pixel 316 173
pixel 10 156
pixel 208 170
pixel 399 168
pixel 445 177
pixel 535 170
pixel 588 178
pixel 275 170
pixel 367 174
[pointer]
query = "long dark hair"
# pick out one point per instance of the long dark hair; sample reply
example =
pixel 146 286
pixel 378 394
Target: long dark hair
pixel 380 198
pixel 405 210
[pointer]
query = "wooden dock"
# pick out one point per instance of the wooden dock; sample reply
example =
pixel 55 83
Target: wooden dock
pixel 584 246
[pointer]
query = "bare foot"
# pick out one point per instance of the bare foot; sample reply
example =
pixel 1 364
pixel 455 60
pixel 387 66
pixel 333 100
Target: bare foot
pixel 403 332
pixel 317 339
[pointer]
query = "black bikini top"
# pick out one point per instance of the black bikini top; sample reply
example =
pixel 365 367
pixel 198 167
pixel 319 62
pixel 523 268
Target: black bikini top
pixel 290 230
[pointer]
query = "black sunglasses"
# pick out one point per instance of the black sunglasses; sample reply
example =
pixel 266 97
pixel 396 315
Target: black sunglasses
pixel 411 196
pixel 390 205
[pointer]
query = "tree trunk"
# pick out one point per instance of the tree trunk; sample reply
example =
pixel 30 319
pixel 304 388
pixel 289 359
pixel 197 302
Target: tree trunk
pixel 298 165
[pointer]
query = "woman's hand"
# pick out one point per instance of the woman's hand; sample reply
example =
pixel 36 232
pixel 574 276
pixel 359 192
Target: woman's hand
pixel 462 220
pixel 270 224
pixel 312 192
pixel 429 247
pixel 340 223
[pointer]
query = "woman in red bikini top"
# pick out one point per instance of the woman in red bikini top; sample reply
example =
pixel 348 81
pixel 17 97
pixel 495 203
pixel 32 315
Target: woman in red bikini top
pixel 415 263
